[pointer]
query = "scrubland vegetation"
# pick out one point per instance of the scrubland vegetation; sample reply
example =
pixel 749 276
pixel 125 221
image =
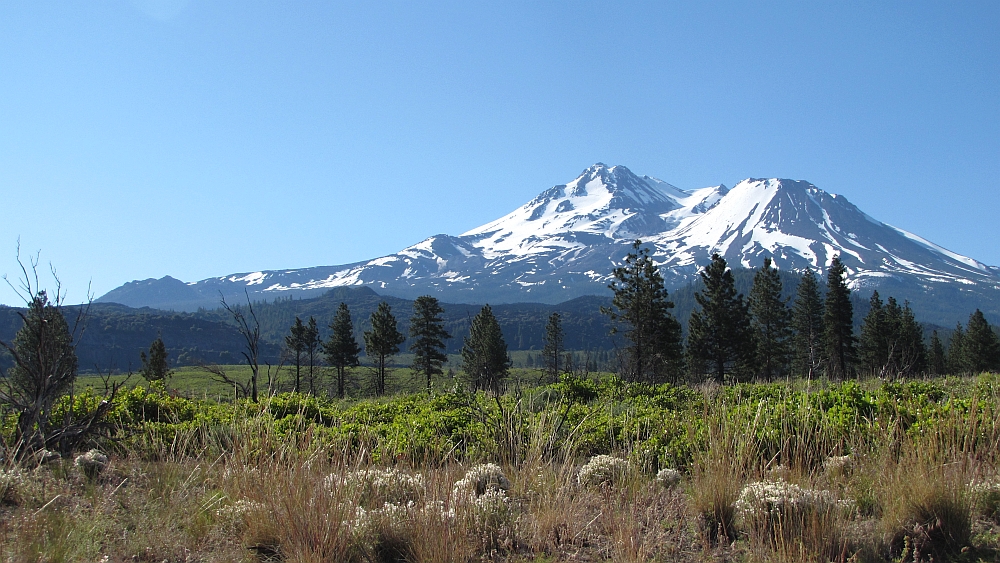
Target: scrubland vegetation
pixel 580 470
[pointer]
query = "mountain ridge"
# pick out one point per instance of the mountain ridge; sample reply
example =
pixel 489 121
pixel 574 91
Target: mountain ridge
pixel 566 241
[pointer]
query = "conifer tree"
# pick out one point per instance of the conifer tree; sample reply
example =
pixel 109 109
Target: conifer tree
pixel 341 349
pixel 295 343
pixel 838 322
pixel 484 355
pixel 911 353
pixel 937 360
pixel 382 342
pixel 310 344
pixel 956 352
pixel 44 369
pixel 428 334
pixel 873 345
pixel 981 346
pixel 771 322
pixel 553 346
pixel 641 309
pixel 719 340
pixel 807 321
pixel 154 365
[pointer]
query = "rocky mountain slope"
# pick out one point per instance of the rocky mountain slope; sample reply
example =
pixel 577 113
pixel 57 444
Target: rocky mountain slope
pixel 565 242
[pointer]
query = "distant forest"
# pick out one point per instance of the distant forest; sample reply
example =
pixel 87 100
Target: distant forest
pixel 115 335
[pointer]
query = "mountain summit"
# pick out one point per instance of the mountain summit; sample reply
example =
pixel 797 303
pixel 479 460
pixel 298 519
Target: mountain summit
pixel 566 241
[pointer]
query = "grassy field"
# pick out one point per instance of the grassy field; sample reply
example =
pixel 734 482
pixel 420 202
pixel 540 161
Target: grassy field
pixel 587 469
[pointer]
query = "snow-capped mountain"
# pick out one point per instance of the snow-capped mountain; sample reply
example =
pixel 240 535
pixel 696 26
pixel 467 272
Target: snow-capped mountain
pixel 565 242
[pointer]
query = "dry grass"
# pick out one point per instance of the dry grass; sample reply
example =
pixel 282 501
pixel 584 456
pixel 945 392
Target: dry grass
pixel 243 493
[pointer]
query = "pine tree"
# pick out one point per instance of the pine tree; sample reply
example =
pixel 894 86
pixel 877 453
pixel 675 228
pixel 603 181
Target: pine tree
pixel 553 346
pixel 484 355
pixel 956 352
pixel 311 343
pixel 641 307
pixel 154 365
pixel 44 368
pixel 295 343
pixel 873 345
pixel 428 334
pixel 341 349
pixel 382 342
pixel 838 322
pixel 937 361
pixel 771 322
pixel 981 345
pixel 719 340
pixel 911 352
pixel 807 321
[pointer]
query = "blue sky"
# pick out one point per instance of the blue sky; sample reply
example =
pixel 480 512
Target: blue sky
pixel 145 138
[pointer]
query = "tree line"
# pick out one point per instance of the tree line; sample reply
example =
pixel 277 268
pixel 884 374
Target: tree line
pixel 764 337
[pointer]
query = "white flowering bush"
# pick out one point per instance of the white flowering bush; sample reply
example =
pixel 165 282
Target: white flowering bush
pixel 12 481
pixel 232 517
pixel 603 471
pixel 480 501
pixel 838 464
pixel 764 498
pixel 372 488
pixel 668 477
pixel 91 463
pixel 480 479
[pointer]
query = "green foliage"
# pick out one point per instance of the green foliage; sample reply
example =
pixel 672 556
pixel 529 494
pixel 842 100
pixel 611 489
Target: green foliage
pixel 428 334
pixel 154 365
pixel 838 323
pixel 642 306
pixel 771 322
pixel 553 349
pixel 981 347
pixel 719 338
pixel 341 349
pixel 484 356
pixel 382 342
pixel 807 323
pixel 44 368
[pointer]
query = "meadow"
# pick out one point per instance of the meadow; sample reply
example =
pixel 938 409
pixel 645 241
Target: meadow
pixel 584 469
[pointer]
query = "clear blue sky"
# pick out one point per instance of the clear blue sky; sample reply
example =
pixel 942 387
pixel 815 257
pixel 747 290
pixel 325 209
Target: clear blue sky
pixel 195 139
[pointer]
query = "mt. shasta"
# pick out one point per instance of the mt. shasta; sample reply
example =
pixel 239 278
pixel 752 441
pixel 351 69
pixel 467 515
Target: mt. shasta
pixel 566 241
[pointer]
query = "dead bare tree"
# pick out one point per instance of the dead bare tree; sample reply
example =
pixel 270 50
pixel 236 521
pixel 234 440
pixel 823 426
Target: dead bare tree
pixel 218 373
pixel 249 329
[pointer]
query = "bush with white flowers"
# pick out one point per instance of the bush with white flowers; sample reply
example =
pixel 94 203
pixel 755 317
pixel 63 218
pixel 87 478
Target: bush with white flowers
pixel 668 477
pixel 91 463
pixel 480 479
pixel 374 487
pixel 603 471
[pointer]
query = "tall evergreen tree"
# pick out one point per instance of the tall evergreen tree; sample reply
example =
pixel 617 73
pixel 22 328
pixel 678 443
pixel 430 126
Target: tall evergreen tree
pixel 910 355
pixel 553 346
pixel 981 345
pixel 956 352
pixel 428 334
pixel 641 309
pixel 873 345
pixel 44 368
pixel 341 349
pixel 937 360
pixel 382 342
pixel 771 321
pixel 807 321
pixel 719 338
pixel 484 355
pixel 295 344
pixel 310 344
pixel 838 322
pixel 154 365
